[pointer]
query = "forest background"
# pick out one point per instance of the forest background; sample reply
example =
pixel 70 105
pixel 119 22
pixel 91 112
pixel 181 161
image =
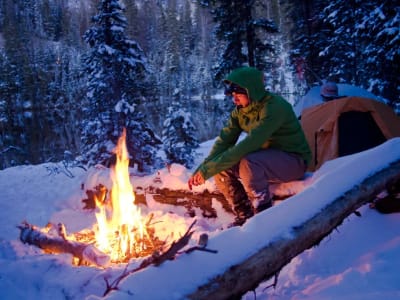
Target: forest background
pixel 74 72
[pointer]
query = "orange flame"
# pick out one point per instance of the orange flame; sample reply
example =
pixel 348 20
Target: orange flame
pixel 120 223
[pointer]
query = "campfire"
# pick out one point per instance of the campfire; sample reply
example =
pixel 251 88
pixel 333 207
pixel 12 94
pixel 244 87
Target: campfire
pixel 120 231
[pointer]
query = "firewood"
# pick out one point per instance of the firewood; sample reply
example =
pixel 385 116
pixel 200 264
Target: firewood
pixel 85 253
pixel 175 247
pixel 191 200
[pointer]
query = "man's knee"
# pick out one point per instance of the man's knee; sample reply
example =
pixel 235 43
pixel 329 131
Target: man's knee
pixel 221 181
pixel 249 159
pixel 251 167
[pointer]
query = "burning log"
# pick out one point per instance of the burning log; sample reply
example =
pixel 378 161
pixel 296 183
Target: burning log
pixel 81 244
pixel 85 253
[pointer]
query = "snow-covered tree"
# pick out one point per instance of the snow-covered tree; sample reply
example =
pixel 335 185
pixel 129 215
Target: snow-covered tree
pixel 363 34
pixel 142 143
pixel 306 37
pixel 242 34
pixel 350 41
pixel 341 49
pixel 179 137
pixel 43 92
pixel 37 83
pixel 379 31
pixel 116 69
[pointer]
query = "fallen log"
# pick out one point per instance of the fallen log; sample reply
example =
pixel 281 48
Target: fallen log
pixel 85 253
pixel 268 261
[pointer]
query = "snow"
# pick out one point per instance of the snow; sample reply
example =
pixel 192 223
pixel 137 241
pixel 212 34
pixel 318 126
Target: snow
pixel 360 260
pixel 313 97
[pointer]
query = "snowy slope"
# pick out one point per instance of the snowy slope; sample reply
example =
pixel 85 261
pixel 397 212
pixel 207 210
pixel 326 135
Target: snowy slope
pixel 359 261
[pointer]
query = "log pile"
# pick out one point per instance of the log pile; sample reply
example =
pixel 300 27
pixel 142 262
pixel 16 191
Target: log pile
pixel 188 199
pixel 191 200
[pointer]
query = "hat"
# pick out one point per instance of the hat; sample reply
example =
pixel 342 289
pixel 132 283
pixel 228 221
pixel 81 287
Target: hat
pixel 234 88
pixel 329 90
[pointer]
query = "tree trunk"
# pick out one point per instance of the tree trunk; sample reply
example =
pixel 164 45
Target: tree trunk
pixel 249 35
pixel 272 258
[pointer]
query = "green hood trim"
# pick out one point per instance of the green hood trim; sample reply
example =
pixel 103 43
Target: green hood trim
pixel 250 79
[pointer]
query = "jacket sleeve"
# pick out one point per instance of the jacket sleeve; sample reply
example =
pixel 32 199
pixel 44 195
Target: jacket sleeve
pixel 226 139
pixel 272 117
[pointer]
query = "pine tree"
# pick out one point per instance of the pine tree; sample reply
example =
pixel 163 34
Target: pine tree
pixel 179 139
pixel 142 143
pixel 306 38
pixel 241 33
pixel 354 41
pixel 341 51
pixel 379 31
pixel 116 69
pixel 204 52
pixel 23 91
pixel 363 34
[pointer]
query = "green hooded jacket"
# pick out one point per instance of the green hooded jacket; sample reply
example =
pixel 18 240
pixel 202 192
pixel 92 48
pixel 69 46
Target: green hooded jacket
pixel 269 121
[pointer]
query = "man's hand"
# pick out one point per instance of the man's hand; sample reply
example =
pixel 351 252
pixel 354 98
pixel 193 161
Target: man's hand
pixel 196 179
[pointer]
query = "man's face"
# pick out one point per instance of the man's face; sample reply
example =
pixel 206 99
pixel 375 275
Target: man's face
pixel 238 93
pixel 240 100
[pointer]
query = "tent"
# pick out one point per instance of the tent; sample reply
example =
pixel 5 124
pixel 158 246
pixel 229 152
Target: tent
pixel 313 97
pixel 347 125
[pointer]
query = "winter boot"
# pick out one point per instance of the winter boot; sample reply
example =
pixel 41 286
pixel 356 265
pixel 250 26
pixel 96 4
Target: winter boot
pixel 231 187
pixel 243 211
pixel 262 206
pixel 388 204
pixel 391 202
pixel 260 200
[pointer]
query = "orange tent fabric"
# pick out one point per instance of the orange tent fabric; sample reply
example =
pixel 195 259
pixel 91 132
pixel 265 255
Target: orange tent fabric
pixel 320 124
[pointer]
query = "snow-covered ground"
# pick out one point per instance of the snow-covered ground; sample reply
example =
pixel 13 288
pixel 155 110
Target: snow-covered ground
pixel 360 260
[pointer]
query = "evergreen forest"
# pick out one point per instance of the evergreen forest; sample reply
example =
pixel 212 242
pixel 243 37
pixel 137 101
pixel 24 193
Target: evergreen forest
pixel 75 73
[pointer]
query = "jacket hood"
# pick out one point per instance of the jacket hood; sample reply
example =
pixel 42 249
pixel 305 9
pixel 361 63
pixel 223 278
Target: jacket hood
pixel 250 79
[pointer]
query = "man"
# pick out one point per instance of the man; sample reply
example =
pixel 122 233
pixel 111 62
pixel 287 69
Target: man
pixel 275 148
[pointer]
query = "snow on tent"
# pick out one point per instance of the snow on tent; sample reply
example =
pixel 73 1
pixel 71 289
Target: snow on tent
pixel 347 125
pixel 313 97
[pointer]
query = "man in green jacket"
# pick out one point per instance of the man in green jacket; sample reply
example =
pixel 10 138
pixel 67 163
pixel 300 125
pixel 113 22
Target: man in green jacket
pixel 273 150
